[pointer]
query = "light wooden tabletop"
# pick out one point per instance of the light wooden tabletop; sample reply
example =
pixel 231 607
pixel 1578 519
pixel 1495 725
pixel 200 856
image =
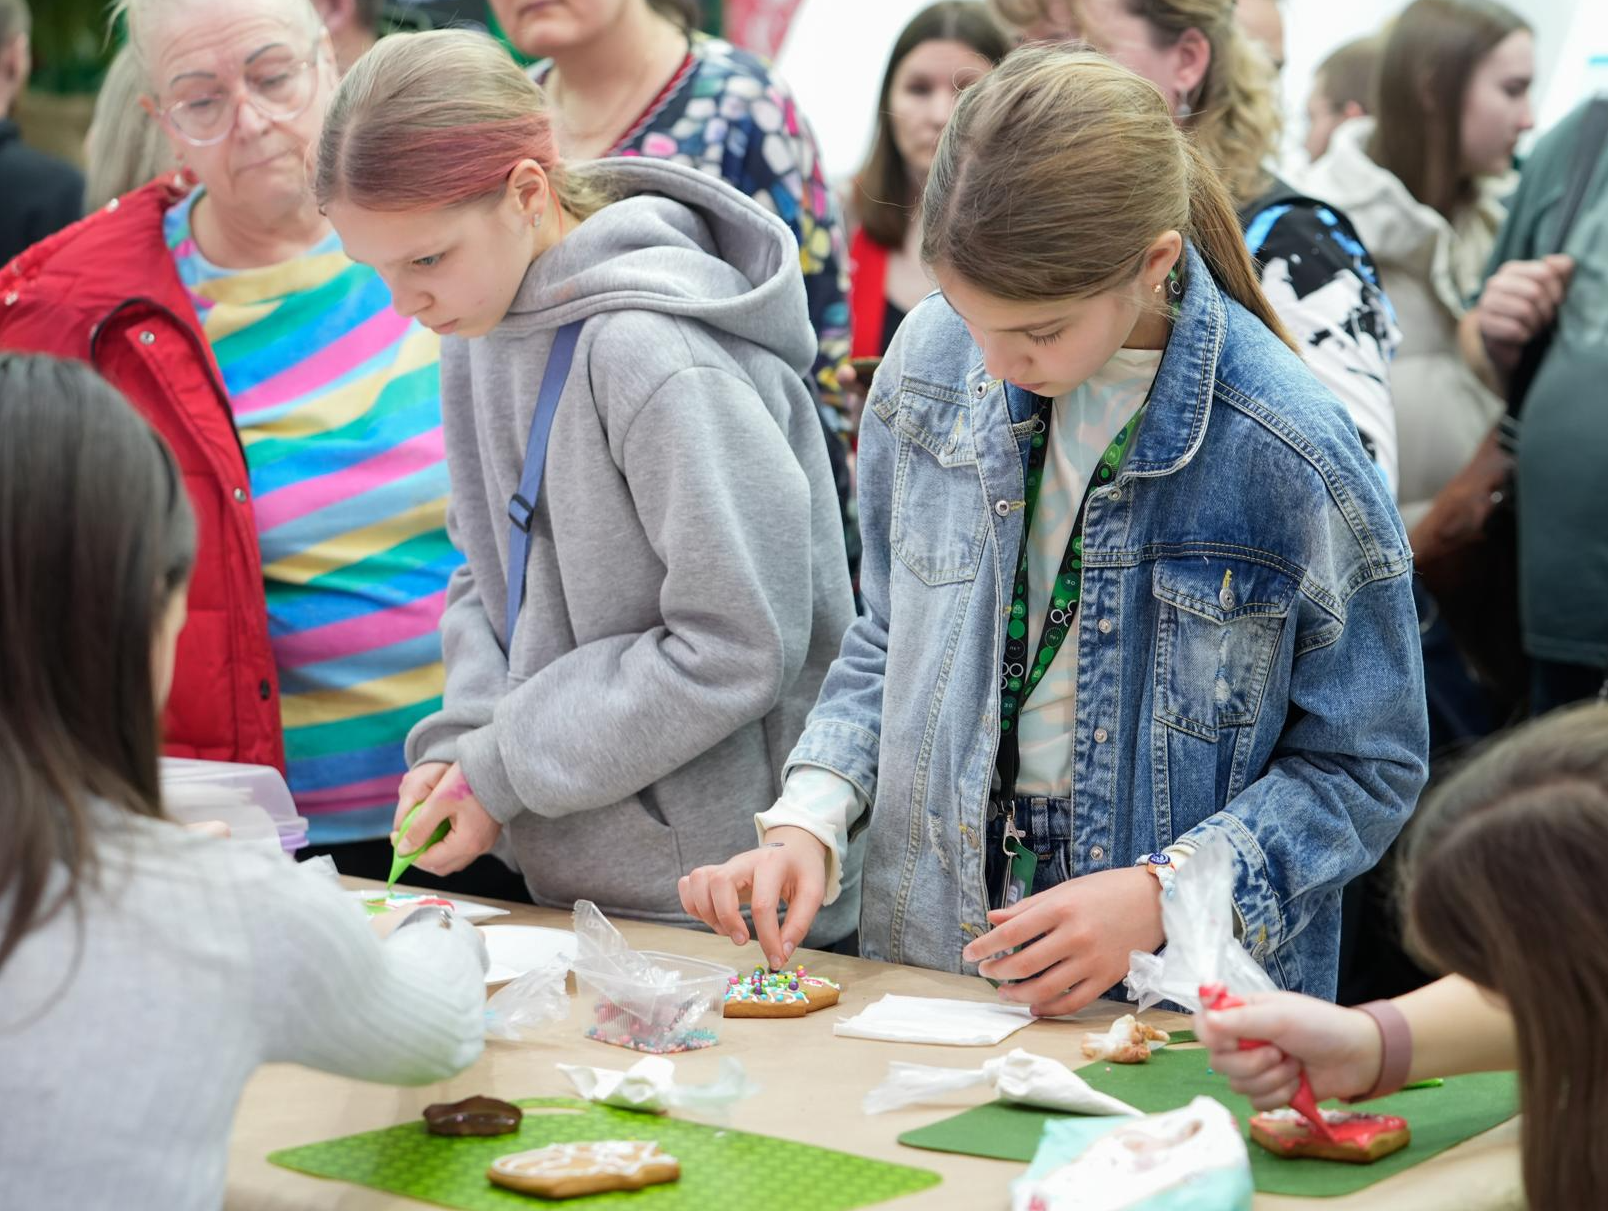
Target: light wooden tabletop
pixel 812 1084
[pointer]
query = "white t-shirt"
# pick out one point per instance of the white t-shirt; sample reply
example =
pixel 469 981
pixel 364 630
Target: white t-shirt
pixel 1082 425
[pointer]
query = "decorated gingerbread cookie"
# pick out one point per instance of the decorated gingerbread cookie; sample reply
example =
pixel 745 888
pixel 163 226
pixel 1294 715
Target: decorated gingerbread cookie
pixel 766 994
pixel 1129 1041
pixel 820 991
pixel 1360 1138
pixel 778 994
pixel 593 1167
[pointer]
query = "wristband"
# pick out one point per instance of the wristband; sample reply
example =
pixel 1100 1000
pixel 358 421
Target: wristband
pixel 1395 1049
pixel 1161 865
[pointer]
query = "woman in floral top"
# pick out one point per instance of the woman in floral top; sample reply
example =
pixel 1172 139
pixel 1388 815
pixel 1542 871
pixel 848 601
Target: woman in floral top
pixel 628 78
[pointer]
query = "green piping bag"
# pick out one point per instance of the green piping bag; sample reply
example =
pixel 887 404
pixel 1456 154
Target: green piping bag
pixel 400 861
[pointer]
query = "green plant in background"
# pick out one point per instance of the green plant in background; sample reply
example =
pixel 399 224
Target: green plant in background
pixel 70 46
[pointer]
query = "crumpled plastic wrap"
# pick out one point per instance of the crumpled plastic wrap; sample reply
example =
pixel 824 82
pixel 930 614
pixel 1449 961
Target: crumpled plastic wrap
pixel 521 1007
pixel 1198 916
pixel 650 1085
pixel 1020 1076
pixel 645 1000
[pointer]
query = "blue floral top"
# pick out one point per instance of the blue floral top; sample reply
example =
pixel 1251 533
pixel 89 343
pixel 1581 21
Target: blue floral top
pixel 724 112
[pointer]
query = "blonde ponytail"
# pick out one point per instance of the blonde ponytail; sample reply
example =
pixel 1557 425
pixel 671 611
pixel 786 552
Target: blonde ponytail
pixel 1215 230
pixel 1057 172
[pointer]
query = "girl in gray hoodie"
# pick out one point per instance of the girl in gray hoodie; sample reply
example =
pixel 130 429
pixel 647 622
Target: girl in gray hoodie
pixel 655 581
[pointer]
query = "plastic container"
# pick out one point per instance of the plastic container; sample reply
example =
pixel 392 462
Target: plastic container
pixel 252 800
pixel 681 1012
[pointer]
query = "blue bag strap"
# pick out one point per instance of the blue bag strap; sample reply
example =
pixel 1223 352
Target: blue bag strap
pixel 522 507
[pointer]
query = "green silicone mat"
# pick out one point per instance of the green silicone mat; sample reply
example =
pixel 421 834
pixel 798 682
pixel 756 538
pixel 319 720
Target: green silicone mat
pixel 720 1169
pixel 1440 1117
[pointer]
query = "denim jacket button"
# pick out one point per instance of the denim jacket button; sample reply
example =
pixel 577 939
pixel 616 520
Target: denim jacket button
pixel 1101 735
pixel 1104 626
pixel 1226 598
pixel 1002 507
pixel 1096 852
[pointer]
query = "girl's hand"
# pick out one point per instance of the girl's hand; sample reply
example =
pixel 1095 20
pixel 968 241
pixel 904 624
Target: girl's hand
pixel 473 833
pixel 1075 939
pixel 1340 1048
pixel 790 866
pixel 416 786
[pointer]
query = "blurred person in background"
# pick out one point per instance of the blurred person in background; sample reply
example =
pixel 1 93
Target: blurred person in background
pixel 944 49
pixel 1422 182
pixel 353 27
pixel 1263 21
pixel 1535 289
pixel 41 194
pixel 1342 88
pixel 637 78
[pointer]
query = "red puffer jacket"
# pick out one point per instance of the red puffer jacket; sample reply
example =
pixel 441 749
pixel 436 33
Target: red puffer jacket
pixel 106 291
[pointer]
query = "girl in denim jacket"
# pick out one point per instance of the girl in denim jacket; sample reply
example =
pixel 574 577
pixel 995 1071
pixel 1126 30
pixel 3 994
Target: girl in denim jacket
pixel 1131 584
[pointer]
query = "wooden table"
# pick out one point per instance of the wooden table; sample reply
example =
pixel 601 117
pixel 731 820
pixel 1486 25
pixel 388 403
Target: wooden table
pixel 812 1086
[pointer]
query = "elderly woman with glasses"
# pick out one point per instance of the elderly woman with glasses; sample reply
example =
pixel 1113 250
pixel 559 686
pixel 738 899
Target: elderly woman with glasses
pixel 304 412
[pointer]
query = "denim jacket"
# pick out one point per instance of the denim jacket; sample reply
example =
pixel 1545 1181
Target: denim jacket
pixel 1280 708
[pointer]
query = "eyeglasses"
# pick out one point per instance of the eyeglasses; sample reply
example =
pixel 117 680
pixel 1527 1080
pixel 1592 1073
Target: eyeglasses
pixel 279 85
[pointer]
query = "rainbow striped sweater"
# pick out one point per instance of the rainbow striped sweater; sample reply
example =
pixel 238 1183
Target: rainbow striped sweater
pixel 338 404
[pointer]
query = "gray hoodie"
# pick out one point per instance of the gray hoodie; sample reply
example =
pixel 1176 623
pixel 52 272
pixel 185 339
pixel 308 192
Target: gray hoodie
pixel 686 587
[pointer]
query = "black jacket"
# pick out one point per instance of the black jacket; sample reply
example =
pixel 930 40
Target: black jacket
pixel 41 194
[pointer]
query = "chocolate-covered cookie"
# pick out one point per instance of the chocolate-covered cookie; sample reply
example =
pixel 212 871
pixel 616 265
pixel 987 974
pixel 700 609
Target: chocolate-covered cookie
pixel 473 1116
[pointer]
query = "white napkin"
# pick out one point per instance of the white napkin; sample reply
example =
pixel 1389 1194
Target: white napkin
pixel 1031 1080
pixel 643 1086
pixel 650 1085
pixel 896 1019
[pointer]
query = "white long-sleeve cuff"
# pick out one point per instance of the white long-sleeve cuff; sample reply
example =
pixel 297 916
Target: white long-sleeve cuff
pixel 823 805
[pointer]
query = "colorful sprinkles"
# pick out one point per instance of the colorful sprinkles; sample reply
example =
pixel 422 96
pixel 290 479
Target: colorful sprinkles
pixel 772 987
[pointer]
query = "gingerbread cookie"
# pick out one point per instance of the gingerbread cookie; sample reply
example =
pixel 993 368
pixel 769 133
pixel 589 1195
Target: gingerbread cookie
pixel 1360 1139
pixel 592 1167
pixel 820 991
pixel 1129 1041
pixel 766 994
pixel 473 1116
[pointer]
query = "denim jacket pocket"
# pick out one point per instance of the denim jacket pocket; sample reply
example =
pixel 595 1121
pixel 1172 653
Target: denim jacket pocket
pixel 939 523
pixel 1218 623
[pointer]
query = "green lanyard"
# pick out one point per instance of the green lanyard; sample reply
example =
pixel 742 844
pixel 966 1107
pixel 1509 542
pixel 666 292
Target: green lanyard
pixel 1018 678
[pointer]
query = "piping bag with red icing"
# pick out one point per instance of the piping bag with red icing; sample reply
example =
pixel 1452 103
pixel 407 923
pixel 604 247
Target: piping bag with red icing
pixel 1215 996
pixel 1203 965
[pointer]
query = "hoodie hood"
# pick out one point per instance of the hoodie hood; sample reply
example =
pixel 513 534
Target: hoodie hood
pixel 681 242
pixel 1400 232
